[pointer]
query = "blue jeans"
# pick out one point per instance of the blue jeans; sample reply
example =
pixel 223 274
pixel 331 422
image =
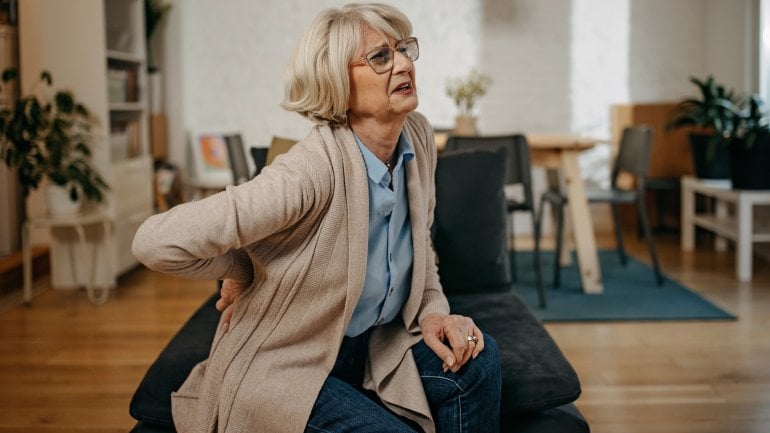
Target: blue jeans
pixel 467 401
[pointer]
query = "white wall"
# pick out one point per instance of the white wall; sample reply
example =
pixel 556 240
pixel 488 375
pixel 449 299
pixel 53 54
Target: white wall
pixel 525 50
pixel 556 65
pixel 224 63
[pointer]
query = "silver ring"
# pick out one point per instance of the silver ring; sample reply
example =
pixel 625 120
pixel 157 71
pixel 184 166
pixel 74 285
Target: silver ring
pixel 473 338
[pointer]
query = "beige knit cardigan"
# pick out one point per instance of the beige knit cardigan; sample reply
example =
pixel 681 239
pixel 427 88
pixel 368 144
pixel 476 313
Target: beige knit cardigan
pixel 298 232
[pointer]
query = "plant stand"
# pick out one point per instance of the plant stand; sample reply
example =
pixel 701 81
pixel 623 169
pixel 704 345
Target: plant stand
pixel 77 222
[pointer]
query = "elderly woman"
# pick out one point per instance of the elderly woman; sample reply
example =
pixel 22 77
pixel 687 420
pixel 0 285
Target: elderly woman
pixel 334 316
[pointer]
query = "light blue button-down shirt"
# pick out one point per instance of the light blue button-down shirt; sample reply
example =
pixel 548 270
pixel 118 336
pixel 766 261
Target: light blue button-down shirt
pixel 390 256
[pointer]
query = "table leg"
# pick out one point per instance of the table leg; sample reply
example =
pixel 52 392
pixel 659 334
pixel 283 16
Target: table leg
pixel 688 214
pixel 743 246
pixel 588 259
pixel 26 252
pixel 720 243
pixel 91 279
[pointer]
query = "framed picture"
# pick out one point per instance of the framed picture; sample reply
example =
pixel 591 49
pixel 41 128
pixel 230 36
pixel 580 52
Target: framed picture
pixel 208 159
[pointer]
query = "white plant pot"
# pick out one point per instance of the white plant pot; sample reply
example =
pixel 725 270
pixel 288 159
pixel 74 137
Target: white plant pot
pixel 58 201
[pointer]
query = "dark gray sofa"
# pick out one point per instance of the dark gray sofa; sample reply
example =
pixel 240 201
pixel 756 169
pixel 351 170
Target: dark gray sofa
pixel 539 385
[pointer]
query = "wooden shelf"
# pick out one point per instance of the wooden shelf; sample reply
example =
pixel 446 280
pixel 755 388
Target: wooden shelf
pixel 126 106
pixel 121 56
pixel 727 227
pixel 106 36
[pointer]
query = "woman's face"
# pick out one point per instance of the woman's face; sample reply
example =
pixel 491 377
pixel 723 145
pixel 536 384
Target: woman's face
pixel 388 96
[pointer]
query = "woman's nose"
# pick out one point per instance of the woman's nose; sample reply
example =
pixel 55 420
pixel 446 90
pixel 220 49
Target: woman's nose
pixel 401 63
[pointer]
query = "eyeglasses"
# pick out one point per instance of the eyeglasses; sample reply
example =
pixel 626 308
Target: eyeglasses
pixel 381 59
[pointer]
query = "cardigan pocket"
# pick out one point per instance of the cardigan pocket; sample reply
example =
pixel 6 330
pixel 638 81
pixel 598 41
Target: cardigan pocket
pixel 185 404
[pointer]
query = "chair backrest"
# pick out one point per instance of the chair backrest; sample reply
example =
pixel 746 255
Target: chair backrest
pixel 278 146
pixel 634 154
pixel 469 230
pixel 518 168
pixel 259 156
pixel 237 156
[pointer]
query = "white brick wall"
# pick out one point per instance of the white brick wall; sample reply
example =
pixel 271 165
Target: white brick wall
pixel 525 47
pixel 230 58
pixel 556 65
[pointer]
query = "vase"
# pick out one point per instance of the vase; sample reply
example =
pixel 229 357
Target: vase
pixel 465 126
pixel 59 202
pixel 750 166
pixel 710 160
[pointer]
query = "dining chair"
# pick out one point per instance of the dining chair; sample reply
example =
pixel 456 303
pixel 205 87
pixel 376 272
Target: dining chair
pixel 518 175
pixel 278 145
pixel 237 158
pixel 259 156
pixel 633 158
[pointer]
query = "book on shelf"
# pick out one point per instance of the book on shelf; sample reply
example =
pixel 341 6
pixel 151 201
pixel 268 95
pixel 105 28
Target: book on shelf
pixel 123 82
pixel 117 85
pixel 125 140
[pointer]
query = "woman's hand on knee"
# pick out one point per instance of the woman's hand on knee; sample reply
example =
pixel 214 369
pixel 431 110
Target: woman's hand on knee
pixel 454 338
pixel 231 290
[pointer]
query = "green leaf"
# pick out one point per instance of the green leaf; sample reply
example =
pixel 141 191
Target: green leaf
pixel 65 102
pixel 10 74
pixel 46 77
pixel 48 138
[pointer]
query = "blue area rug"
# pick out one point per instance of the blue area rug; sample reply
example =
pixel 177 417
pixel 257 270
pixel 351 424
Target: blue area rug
pixel 630 293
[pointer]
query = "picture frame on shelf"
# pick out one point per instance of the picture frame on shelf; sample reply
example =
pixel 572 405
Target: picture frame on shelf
pixel 217 159
pixel 209 162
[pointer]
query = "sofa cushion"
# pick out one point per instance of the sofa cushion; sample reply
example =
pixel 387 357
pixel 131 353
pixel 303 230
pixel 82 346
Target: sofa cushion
pixel 536 375
pixel 152 400
pixel 469 232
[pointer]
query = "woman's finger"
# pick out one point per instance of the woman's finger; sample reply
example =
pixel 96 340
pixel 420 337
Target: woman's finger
pixel 470 346
pixel 479 342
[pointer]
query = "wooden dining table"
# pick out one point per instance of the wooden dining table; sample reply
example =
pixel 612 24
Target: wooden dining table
pixel 558 154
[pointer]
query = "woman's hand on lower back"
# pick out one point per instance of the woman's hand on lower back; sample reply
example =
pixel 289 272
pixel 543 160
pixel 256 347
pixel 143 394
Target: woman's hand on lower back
pixel 231 291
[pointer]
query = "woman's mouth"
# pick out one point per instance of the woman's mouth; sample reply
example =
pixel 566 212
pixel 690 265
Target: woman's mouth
pixel 404 88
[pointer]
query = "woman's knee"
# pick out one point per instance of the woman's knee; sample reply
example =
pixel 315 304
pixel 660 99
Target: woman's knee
pixel 488 361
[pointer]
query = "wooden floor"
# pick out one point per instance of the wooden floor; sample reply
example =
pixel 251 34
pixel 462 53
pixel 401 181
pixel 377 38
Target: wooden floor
pixel 69 366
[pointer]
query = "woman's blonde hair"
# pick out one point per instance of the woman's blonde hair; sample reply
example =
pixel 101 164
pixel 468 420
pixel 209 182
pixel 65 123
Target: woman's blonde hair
pixel 317 83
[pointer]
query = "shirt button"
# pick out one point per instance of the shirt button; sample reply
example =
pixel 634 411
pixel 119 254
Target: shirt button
pixel 379 322
pixel 390 292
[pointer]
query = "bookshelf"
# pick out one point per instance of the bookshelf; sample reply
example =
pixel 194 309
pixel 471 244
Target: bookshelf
pixel 96 48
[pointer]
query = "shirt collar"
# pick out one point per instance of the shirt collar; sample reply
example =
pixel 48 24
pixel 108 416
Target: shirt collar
pixel 375 168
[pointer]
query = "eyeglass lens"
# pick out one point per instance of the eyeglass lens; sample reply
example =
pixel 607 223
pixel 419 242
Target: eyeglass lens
pixel 381 59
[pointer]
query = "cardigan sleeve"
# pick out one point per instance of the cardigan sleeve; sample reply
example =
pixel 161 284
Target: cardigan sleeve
pixel 205 239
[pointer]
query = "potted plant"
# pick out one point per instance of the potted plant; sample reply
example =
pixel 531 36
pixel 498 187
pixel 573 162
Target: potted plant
pixel 465 93
pixel 47 137
pixel 750 146
pixel 715 121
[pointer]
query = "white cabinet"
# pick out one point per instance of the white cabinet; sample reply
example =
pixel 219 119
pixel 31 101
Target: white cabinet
pixel 96 48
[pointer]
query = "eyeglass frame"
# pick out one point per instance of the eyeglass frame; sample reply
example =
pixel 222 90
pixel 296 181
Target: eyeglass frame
pixel 394 49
